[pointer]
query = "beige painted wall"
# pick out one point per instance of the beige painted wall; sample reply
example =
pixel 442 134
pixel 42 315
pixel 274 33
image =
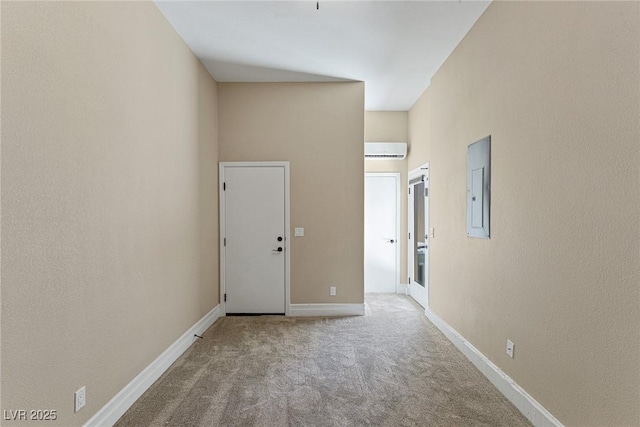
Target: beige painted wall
pixel 391 126
pixel 557 87
pixel 319 128
pixel 109 209
pixel 386 126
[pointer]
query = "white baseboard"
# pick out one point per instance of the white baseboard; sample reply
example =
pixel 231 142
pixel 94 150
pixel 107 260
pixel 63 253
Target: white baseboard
pixel 121 402
pixel 306 310
pixel 403 289
pixel 530 408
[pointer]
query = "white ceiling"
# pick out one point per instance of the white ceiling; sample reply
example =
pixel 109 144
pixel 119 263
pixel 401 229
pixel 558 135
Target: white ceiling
pixel 395 47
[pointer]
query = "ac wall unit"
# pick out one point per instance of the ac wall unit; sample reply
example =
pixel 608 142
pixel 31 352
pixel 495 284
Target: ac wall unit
pixel 385 150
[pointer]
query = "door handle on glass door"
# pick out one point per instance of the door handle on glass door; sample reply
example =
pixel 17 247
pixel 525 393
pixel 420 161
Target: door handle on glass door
pixel 277 250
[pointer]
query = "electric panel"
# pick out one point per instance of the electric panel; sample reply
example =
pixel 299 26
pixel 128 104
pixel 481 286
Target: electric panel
pixel 478 188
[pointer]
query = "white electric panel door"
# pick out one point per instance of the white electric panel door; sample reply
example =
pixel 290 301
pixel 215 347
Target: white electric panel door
pixel 477 193
pixel 478 188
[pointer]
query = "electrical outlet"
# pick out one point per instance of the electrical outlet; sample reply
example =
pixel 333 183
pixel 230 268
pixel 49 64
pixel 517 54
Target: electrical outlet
pixel 80 398
pixel 332 291
pixel 510 347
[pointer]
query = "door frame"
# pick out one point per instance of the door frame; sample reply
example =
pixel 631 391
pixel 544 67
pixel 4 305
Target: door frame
pixel 415 173
pixel 398 177
pixel 287 240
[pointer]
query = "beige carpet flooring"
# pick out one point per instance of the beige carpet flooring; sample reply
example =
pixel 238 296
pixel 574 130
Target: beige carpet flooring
pixel 391 367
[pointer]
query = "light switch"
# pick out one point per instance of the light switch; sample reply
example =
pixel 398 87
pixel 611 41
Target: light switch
pixel 299 232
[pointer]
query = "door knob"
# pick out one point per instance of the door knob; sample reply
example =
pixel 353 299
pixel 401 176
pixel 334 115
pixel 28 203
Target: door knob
pixel 277 250
pixel 279 239
pixel 391 241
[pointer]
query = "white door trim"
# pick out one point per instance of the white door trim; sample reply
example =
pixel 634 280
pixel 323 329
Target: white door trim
pixel 398 177
pixel 287 252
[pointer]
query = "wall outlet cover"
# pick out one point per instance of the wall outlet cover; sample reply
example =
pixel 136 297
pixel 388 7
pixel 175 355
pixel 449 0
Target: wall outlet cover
pixel 510 348
pixel 80 399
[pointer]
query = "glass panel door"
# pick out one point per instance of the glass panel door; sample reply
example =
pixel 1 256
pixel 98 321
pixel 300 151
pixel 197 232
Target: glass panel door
pixel 418 225
pixel 418 231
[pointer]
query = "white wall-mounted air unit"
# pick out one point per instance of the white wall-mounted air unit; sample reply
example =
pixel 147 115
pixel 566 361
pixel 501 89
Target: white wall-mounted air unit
pixel 385 150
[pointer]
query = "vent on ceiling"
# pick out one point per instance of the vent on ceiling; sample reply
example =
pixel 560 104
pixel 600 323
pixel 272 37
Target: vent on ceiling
pixel 385 150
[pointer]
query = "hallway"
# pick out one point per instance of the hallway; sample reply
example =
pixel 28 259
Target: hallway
pixel 391 367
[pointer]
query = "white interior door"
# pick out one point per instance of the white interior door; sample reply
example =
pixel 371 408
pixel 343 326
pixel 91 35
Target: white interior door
pixel 418 224
pixel 254 238
pixel 381 224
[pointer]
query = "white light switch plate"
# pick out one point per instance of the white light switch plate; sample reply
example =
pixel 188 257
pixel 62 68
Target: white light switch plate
pixel 299 231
